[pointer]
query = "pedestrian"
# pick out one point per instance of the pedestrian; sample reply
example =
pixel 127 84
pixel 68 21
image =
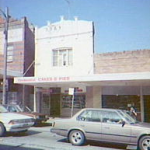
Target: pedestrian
pixel 133 112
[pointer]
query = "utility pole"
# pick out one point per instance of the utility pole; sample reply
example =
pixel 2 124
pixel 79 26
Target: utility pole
pixel 6 16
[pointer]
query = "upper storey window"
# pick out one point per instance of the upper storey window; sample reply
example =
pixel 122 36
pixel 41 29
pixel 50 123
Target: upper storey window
pixel 62 57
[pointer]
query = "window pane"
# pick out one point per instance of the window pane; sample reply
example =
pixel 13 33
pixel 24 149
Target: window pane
pixel 90 115
pixel 70 58
pixel 111 117
pixel 62 57
pixel 10 53
pixel 55 58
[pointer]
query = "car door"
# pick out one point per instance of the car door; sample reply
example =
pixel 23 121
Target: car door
pixel 90 123
pixel 112 128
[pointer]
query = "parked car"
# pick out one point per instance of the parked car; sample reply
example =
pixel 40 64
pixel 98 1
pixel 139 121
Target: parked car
pixel 39 117
pixel 12 122
pixel 108 125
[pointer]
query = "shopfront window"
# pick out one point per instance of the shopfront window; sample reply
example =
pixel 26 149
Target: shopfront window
pixel 121 102
pixel 79 101
pixel 10 54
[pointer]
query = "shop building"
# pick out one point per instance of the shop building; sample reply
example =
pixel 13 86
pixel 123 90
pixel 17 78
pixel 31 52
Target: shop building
pixel 134 89
pixel 20 55
pixel 65 58
pixel 62 50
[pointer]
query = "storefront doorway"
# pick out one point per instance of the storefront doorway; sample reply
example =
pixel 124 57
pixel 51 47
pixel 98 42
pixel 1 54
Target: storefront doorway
pixel 55 105
pixel 45 104
pixel 147 108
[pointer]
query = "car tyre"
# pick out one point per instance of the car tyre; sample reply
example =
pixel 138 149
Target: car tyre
pixel 144 143
pixel 76 137
pixel 2 130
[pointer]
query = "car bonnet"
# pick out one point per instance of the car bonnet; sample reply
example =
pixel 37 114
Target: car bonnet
pixel 12 116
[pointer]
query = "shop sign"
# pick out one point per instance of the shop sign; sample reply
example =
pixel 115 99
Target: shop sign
pixel 71 91
pixel 42 79
pixel 76 90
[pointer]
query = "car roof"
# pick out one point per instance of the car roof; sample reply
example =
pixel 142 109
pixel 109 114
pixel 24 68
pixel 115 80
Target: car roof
pixel 109 109
pixel 84 109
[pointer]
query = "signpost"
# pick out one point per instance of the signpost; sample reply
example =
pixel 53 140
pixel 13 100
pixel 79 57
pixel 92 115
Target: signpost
pixel 71 92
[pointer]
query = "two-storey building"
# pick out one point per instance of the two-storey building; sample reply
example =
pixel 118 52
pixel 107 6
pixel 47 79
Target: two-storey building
pixel 20 55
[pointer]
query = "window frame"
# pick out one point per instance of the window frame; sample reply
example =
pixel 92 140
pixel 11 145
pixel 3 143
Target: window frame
pixel 87 116
pixel 62 57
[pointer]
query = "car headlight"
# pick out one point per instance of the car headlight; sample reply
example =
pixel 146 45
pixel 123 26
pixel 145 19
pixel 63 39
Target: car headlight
pixel 12 122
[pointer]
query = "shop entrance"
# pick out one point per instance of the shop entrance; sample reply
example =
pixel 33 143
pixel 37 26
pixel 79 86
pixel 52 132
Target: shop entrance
pixel 146 108
pixel 45 104
pixel 50 102
pixel 55 105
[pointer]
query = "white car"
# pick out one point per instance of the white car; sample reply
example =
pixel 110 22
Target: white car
pixel 12 122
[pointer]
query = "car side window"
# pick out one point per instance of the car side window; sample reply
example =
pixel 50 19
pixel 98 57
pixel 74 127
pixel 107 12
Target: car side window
pixel 90 115
pixel 11 109
pixel 111 117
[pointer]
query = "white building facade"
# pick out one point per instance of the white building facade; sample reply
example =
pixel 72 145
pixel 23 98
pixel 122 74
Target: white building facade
pixel 62 50
pixel 64 47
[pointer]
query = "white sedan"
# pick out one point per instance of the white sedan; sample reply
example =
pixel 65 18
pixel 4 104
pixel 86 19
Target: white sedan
pixel 12 122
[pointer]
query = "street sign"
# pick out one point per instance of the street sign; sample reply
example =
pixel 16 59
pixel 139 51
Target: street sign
pixel 71 91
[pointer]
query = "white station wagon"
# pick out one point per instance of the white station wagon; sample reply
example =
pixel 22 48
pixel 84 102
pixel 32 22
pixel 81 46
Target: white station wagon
pixel 12 122
pixel 108 125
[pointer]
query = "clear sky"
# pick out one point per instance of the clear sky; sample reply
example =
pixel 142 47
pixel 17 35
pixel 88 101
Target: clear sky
pixel 120 25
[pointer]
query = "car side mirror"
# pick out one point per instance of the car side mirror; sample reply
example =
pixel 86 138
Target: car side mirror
pixel 123 123
pixel 82 118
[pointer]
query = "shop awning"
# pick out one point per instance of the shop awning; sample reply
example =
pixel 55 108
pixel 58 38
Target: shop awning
pixel 119 79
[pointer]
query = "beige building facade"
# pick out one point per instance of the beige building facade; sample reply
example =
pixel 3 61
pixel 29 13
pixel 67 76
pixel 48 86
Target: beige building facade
pixel 129 92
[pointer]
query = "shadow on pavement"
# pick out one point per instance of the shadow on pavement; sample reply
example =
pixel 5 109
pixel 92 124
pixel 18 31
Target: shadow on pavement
pixel 20 134
pixel 7 147
pixel 100 144
pixel 43 125
pixel 106 145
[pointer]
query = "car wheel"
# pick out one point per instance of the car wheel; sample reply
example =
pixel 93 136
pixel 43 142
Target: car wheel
pixel 76 137
pixel 2 130
pixel 144 143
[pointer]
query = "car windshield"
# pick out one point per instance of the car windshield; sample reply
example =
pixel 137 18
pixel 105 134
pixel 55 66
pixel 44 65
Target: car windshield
pixel 18 108
pixel 3 109
pixel 127 117
pixel 26 109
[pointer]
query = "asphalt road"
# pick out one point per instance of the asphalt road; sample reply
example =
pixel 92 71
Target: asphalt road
pixel 40 138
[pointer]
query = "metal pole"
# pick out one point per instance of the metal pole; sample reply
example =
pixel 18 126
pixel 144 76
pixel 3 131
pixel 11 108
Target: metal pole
pixel 5 56
pixel 142 103
pixel 72 107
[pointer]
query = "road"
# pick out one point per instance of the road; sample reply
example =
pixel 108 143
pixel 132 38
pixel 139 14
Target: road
pixel 40 138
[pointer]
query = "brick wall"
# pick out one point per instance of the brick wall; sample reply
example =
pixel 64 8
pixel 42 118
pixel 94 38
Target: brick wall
pixel 122 62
